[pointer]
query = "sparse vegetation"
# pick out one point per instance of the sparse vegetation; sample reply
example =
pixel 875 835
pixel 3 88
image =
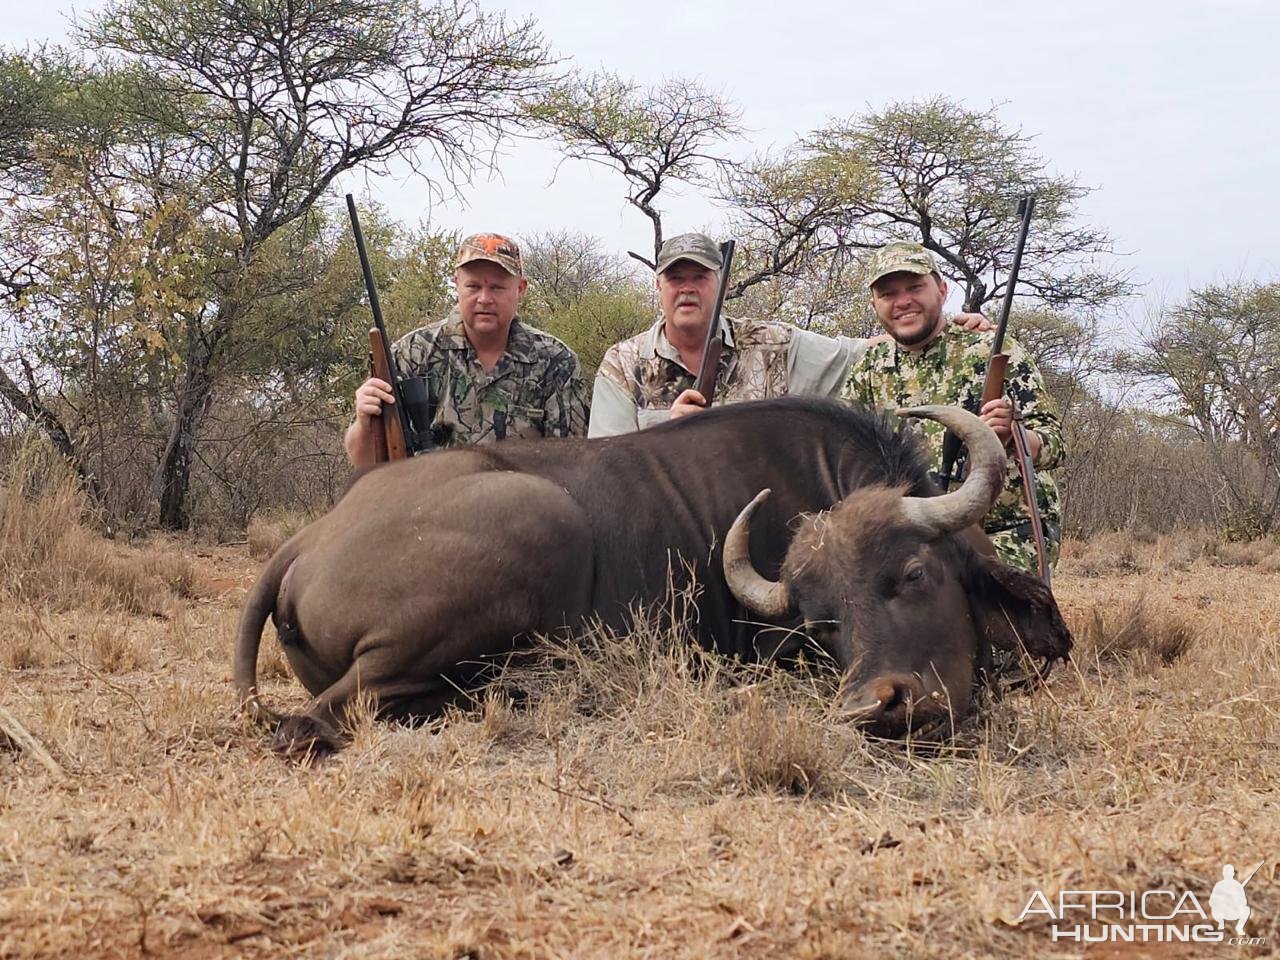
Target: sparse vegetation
pixel 630 796
pixel 50 556
pixel 1136 631
pixel 267 534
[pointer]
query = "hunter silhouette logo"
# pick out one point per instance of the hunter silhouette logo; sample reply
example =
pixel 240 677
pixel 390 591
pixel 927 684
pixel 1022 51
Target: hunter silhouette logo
pixel 1228 900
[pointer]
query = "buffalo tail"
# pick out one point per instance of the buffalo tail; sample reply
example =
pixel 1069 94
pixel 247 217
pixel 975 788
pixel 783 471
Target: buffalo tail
pixel 261 603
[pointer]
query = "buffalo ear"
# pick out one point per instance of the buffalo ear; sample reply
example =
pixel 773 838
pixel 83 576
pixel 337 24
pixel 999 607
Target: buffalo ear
pixel 1018 613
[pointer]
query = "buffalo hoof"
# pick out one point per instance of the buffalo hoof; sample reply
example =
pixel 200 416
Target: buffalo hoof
pixel 301 738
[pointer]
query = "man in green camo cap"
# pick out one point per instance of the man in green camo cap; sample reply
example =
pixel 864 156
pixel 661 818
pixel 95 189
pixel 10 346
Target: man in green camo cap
pixel 930 361
pixel 488 376
pixel 649 378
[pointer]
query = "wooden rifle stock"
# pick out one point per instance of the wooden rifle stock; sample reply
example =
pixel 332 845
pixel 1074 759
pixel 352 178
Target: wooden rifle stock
pixel 388 434
pixel 992 388
pixel 1027 468
pixel 993 384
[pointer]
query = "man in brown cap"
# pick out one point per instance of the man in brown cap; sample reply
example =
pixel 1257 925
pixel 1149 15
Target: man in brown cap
pixel 649 378
pixel 488 376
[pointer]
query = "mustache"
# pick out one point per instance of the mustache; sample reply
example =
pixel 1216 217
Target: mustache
pixel 689 301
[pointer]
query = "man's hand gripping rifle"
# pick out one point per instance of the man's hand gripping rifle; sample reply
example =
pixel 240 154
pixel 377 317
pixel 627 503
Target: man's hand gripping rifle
pixel 993 386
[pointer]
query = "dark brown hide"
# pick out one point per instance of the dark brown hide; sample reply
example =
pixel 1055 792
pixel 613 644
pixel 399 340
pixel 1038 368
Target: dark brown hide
pixel 430 567
pixel 905 614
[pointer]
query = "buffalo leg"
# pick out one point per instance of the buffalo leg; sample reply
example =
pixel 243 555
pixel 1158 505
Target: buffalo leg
pixel 395 694
pixel 318 731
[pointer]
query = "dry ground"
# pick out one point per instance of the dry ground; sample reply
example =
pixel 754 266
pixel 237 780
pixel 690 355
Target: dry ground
pixel 639 804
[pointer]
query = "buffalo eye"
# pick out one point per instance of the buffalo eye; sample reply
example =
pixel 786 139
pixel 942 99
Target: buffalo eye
pixel 914 572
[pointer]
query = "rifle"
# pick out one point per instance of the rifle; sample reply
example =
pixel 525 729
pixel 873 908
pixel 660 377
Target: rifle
pixel 705 384
pixel 1251 873
pixel 993 387
pixel 392 430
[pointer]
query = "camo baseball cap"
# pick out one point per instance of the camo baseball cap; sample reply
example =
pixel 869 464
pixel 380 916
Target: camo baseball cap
pixel 493 247
pixel 898 257
pixel 697 247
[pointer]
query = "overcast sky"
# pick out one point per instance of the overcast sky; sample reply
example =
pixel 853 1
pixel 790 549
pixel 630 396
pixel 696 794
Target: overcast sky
pixel 1169 110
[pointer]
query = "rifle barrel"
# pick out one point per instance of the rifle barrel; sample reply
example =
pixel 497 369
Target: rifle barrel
pixel 705 383
pixel 1025 208
pixel 370 287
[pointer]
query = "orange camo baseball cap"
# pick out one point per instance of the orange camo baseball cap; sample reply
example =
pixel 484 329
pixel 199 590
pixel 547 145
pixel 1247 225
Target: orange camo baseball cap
pixel 494 247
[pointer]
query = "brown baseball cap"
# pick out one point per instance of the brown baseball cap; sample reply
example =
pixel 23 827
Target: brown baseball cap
pixel 493 247
pixel 697 247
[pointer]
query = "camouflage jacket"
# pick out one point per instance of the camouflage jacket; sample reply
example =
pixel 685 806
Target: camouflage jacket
pixel 950 370
pixel 536 389
pixel 639 379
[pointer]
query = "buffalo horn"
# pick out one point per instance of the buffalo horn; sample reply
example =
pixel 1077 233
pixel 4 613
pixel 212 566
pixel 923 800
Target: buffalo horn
pixel 768 598
pixel 969 504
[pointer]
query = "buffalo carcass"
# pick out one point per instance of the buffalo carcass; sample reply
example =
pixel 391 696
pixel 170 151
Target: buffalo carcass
pixel 429 567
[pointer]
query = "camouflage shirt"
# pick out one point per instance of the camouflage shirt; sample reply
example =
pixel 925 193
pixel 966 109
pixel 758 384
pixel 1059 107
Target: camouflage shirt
pixel 950 370
pixel 536 389
pixel 639 379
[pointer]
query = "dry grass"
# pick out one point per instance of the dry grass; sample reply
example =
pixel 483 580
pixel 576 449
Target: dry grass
pixel 267 534
pixel 631 799
pixel 1126 551
pixel 49 556
pixel 1136 631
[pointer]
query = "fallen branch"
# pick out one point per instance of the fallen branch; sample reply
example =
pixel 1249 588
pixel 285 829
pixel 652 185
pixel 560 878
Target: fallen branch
pixel 599 801
pixel 23 740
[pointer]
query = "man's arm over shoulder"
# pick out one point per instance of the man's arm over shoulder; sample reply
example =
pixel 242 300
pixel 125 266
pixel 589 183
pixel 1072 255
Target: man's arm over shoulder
pixel 819 366
pixel 1039 413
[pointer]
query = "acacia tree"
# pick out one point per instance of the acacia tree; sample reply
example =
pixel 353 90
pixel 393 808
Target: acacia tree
pixel 57 116
pixel 789 265
pixel 653 135
pixel 1215 359
pixel 950 178
pixel 260 105
pixel 587 297
pixel 565 265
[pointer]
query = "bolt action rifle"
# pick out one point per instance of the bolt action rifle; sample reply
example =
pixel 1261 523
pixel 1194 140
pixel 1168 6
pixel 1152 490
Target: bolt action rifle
pixel 393 435
pixel 712 347
pixel 993 386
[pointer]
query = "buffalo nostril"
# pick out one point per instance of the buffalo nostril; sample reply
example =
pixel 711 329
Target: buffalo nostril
pixel 892 705
pixel 898 696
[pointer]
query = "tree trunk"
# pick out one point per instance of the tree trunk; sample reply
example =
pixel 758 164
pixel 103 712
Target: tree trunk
pixel 975 295
pixel 29 404
pixel 173 475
